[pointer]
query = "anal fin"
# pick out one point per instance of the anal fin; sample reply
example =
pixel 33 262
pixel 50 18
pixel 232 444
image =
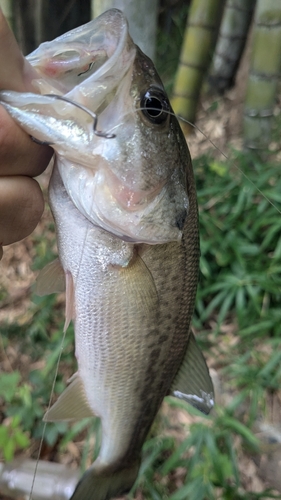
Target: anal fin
pixel 193 382
pixel 72 404
pixel 51 279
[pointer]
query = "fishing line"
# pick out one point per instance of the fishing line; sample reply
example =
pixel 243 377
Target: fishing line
pixel 45 423
pixel 105 136
pixel 87 110
pixel 219 150
pixel 111 135
pixel 228 159
pixel 108 135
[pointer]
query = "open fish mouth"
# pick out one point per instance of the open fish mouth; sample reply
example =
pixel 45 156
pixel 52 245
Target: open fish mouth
pixel 85 58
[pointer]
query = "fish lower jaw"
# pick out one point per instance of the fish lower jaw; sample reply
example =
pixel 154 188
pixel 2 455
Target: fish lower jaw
pixel 133 227
pixel 136 237
pixel 157 222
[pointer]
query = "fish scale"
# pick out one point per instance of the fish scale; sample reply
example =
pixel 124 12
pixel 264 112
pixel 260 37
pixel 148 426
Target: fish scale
pixel 126 218
pixel 120 338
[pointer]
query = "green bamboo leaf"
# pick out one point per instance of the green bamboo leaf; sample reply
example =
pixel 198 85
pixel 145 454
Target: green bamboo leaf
pixel 237 401
pixel 254 329
pixel 74 431
pixel 196 490
pixel 271 364
pixel 270 234
pixel 226 305
pixel 240 301
pixel 173 461
pixel 233 458
pixel 240 429
pixel 277 253
pixel 157 447
pixel 241 201
pixel 214 303
pixel 253 293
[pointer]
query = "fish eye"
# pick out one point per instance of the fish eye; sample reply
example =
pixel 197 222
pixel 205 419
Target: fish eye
pixel 155 106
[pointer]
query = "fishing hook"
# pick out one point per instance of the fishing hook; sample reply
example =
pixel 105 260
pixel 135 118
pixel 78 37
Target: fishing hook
pixel 80 106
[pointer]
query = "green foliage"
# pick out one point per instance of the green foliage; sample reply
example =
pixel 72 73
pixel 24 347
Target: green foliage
pixel 240 285
pixel 206 459
pixel 240 242
pixel 12 438
pixel 12 435
pixel 240 271
pixel 40 338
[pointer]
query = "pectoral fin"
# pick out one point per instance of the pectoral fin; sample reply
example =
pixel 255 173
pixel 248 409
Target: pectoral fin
pixel 139 285
pixel 193 382
pixel 72 404
pixel 51 279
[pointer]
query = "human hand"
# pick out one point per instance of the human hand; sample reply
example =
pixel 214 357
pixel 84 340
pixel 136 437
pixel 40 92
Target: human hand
pixel 21 199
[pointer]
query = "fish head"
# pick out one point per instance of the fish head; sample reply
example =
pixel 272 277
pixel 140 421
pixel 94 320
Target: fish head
pixel 134 183
pixel 143 172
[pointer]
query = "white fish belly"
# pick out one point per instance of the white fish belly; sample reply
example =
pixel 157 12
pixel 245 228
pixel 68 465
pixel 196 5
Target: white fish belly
pixel 131 324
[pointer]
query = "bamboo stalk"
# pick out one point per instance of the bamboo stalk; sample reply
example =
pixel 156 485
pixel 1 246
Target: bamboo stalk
pixel 142 17
pixel 234 27
pixel 24 24
pixel 7 8
pixel 264 74
pixel 200 36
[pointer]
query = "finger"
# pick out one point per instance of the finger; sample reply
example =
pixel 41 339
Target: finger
pixel 19 155
pixel 21 206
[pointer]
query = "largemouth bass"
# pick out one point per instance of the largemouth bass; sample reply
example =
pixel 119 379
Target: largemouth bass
pixel 123 198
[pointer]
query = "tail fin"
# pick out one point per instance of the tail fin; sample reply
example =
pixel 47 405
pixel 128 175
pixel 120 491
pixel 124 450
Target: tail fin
pixel 102 485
